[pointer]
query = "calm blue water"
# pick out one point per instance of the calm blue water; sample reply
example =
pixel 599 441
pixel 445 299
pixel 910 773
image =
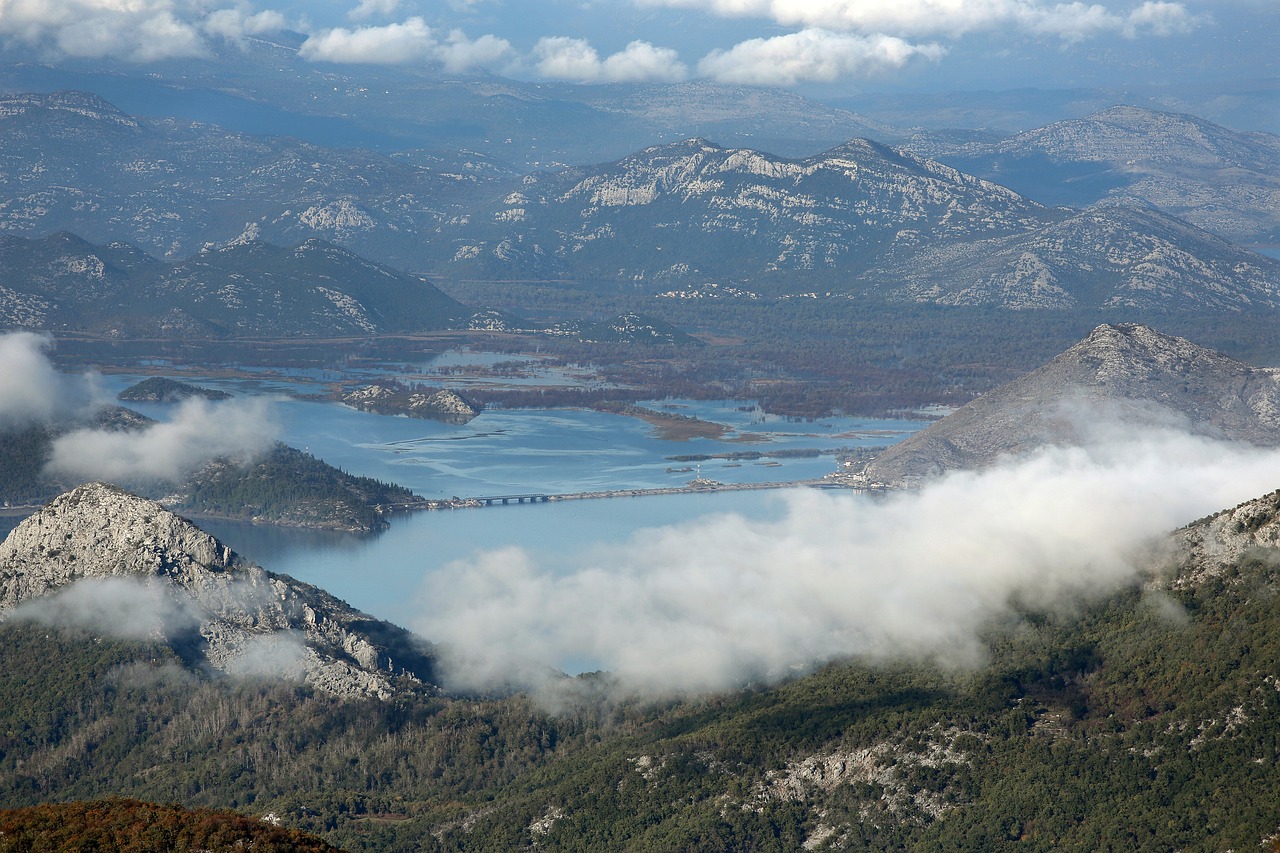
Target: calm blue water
pixel 514 451
pixel 558 450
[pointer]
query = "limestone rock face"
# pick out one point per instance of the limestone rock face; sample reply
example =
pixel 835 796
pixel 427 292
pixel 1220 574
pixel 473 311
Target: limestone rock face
pixel 1126 373
pixel 1211 546
pixel 437 405
pixel 227 613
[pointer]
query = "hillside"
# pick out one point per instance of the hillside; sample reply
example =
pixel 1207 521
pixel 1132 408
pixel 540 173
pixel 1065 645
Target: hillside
pixel 1223 181
pixel 862 221
pixel 131 826
pixel 1105 258
pixel 285 486
pixel 247 288
pixel 1124 373
pixel 172 582
pixel 1147 720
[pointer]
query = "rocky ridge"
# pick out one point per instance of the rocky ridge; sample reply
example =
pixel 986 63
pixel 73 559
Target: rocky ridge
pixel 433 404
pixel 1223 181
pixel 222 612
pixel 248 288
pixel 1215 545
pixel 1125 372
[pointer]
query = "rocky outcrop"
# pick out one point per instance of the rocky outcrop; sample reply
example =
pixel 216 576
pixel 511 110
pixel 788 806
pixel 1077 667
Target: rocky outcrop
pixel 1124 373
pixel 437 405
pixel 219 611
pixel 1217 544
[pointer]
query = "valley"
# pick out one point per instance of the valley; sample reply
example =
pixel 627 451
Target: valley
pixel 640 426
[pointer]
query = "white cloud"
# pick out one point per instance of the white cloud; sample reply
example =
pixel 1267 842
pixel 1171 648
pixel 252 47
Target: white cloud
pixel 134 30
pixel 562 58
pixel 811 55
pixel 234 24
pixel 371 8
pixel 32 391
pixel 400 43
pixel 198 432
pixel 952 18
pixel 721 601
pixel 138 30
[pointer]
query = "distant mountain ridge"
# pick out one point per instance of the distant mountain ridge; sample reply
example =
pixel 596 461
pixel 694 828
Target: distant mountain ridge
pixel 860 219
pixel 1124 371
pixel 246 288
pixel 1223 181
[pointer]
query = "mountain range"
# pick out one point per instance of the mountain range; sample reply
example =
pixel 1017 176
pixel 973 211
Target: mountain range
pixel 246 288
pixel 859 220
pixel 1226 182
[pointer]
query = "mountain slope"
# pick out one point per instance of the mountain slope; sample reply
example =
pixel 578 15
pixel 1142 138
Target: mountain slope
pixel 1108 257
pixel 1145 720
pixel 710 211
pixel 1223 181
pixel 212 607
pixel 247 288
pixel 1124 372
pixel 72 161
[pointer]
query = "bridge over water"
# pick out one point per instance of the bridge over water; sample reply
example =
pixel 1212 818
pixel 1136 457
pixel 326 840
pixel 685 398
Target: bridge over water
pixel 543 497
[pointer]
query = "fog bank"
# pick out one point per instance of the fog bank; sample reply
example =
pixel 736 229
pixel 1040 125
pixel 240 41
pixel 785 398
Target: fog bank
pixel 724 600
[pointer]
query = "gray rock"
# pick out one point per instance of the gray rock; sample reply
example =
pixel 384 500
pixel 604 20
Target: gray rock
pixel 220 611
pixel 1124 373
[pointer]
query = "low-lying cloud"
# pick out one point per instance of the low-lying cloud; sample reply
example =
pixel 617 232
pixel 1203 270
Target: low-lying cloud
pixel 32 391
pixel 132 608
pixel 198 432
pixel 726 600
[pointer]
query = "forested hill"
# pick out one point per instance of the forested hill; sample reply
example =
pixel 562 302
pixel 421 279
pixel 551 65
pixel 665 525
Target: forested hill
pixel 1145 721
pixel 284 486
pixel 132 826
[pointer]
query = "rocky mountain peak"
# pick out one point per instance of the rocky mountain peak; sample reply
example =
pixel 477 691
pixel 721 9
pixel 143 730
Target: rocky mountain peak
pixel 216 610
pixel 1124 370
pixel 1126 352
pixel 98 530
pixel 84 104
pixel 1211 546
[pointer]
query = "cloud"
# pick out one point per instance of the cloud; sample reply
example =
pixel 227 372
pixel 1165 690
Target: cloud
pixel 718 602
pixel 280 654
pixel 137 30
pixel 32 391
pixel 235 24
pixel 811 55
pixel 132 608
pixel 133 30
pixel 371 8
pixel 197 433
pixel 562 58
pixel 401 43
pixel 953 18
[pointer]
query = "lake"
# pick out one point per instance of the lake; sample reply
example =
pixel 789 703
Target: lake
pixel 515 451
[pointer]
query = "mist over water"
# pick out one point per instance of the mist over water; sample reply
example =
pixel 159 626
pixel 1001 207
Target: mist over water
pixel 723 600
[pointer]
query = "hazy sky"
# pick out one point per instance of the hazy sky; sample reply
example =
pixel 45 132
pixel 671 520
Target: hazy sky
pixel 812 45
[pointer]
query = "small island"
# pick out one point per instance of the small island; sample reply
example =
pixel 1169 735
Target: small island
pixel 415 401
pixel 158 389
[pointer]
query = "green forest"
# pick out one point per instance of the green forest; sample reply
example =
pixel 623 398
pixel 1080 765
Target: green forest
pixel 1150 721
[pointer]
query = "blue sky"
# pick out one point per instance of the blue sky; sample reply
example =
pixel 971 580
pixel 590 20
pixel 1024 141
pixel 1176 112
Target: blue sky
pixel 815 46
